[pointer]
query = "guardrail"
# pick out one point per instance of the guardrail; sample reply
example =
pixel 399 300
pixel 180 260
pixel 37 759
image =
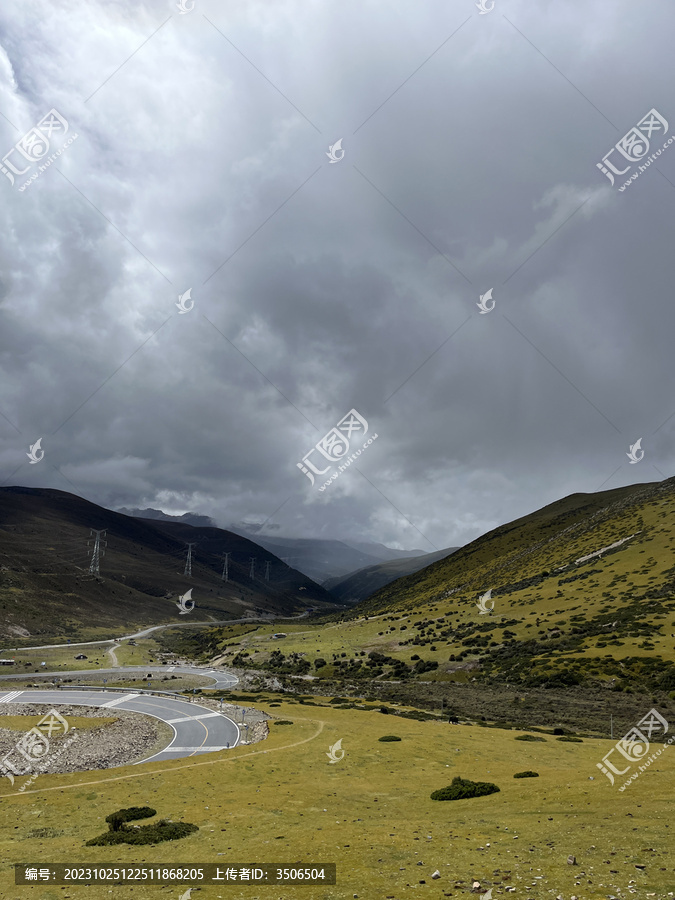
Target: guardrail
pixel 95 687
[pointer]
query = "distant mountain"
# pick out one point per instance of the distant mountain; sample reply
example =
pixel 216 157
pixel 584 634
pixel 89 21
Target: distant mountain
pixel 322 559
pixel 361 584
pixel 382 552
pixel 186 518
pixel 46 587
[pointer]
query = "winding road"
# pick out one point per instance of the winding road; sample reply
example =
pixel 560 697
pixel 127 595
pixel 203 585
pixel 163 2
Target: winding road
pixel 196 729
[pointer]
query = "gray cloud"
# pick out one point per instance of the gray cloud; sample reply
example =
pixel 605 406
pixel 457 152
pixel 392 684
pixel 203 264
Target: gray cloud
pixel 471 145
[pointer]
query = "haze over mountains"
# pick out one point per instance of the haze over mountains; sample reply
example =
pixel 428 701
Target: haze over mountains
pixel 46 586
pixel 358 585
pixel 317 558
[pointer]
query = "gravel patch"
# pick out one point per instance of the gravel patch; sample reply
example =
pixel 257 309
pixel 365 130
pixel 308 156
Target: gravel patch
pixel 131 738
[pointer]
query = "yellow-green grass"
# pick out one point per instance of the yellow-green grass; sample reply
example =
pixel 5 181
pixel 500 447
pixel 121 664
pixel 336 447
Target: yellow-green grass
pixel 282 801
pixel 25 723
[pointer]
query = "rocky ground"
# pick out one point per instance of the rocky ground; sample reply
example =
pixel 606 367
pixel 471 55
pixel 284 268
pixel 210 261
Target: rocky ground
pixel 131 737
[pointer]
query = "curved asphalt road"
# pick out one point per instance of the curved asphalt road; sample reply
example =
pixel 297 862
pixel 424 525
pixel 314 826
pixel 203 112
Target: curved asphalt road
pixel 221 679
pixel 196 729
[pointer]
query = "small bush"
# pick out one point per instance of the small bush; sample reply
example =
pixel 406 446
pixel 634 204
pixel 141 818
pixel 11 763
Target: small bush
pixel 462 789
pixel 389 737
pixel 117 820
pixel 527 774
pixel 558 731
pixel 570 740
pixel 530 737
pixel 283 722
pixel 146 834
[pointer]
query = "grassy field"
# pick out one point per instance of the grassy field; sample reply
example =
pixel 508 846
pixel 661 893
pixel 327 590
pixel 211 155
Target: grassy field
pixel 282 801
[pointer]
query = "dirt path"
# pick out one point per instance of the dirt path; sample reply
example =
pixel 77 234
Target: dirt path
pixel 114 662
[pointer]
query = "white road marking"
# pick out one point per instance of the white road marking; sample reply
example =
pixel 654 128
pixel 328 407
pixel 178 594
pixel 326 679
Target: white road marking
pixel 191 718
pixel 11 696
pixel 120 699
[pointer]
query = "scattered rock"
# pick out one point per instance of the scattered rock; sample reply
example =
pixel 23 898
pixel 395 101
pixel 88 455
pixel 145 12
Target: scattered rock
pixel 436 874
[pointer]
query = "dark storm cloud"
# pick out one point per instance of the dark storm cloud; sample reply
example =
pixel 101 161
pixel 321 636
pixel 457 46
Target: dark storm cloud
pixel 470 148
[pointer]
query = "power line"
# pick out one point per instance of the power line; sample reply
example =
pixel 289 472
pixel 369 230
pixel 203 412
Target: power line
pixel 252 571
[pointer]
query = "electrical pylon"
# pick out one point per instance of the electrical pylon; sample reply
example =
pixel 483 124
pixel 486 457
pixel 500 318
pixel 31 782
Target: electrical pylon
pixel 188 561
pixel 94 568
pixel 226 568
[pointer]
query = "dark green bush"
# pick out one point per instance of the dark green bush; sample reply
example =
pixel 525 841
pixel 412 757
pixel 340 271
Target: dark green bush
pixel 117 819
pixel 283 722
pixel 528 774
pixel 570 740
pixel 462 789
pixel 145 834
pixel 530 737
pixel 389 737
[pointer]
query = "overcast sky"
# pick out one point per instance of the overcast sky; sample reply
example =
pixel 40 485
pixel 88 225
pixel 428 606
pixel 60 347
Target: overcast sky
pixel 469 145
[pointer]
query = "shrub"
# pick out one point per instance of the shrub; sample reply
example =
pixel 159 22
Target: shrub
pixel 570 740
pixel 120 833
pixel 283 722
pixel 389 737
pixel 462 789
pixel 530 737
pixel 528 774
pixel 558 731
pixel 146 834
pixel 319 663
pixel 117 820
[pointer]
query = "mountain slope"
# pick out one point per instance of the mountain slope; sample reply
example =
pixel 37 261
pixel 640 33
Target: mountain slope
pixel 359 585
pixel 582 589
pixel 46 587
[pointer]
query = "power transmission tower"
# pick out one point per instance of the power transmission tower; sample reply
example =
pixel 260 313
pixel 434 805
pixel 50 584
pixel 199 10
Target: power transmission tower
pixel 226 568
pixel 188 561
pixel 94 568
pixel 252 572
